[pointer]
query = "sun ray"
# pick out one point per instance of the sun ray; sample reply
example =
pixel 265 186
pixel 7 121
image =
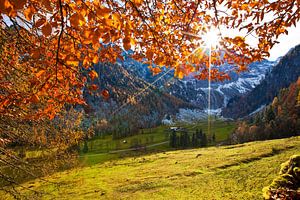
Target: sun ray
pixel 210 40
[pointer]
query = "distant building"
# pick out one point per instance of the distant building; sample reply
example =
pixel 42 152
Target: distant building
pixel 174 128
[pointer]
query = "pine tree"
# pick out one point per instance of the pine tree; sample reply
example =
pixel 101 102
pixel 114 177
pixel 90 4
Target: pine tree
pixel 257 119
pixel 203 140
pixel 85 147
pixel 173 139
pixel 185 139
pixel 269 114
pixel 194 140
pixel 181 140
pixel 214 137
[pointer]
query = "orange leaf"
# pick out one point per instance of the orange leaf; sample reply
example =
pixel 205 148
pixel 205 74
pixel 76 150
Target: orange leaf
pixel 40 22
pixel 77 20
pixel 40 73
pixel 19 4
pixel 95 59
pixel 47 29
pixel 105 94
pixel 28 13
pixel 34 99
pixel 155 70
pixel 51 115
pixel 138 2
pixel 35 54
pixel 93 74
pixel 126 43
pixel 72 62
pixel 47 4
pixel 93 87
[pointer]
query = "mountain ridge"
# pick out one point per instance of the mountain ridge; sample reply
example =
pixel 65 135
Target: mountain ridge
pixel 282 75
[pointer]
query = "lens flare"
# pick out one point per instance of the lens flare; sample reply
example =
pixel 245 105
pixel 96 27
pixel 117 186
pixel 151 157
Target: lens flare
pixel 211 38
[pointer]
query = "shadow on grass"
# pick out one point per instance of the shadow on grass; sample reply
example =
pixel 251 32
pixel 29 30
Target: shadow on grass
pixel 273 152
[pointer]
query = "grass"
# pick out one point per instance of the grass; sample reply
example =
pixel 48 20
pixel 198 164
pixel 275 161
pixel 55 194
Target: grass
pixel 220 128
pixel 228 172
pixel 100 146
pixel 149 136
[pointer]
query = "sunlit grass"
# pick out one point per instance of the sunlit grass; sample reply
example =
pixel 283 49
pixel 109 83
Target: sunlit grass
pixel 99 148
pixel 229 172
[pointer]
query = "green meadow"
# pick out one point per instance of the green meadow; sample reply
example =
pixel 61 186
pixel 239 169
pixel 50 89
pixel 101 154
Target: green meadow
pixel 156 139
pixel 226 172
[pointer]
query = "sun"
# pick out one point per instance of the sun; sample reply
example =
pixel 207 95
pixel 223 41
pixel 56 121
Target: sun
pixel 211 38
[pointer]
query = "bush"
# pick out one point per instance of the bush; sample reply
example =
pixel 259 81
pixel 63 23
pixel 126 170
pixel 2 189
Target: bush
pixel 287 184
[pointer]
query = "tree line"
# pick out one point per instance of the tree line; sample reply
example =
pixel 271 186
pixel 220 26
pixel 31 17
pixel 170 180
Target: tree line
pixel 184 140
pixel 280 119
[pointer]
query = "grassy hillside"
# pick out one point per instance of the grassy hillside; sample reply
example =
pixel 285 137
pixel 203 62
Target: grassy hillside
pixel 229 172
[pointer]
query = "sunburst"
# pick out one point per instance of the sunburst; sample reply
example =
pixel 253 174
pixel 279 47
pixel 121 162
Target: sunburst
pixel 209 40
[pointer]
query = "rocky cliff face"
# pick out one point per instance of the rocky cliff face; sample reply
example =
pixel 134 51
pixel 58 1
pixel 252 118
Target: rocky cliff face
pixel 196 92
pixel 282 75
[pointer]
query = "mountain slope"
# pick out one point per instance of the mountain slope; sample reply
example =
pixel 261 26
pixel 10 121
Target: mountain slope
pixel 280 119
pixel 229 172
pixel 283 73
pixel 132 100
pixel 195 91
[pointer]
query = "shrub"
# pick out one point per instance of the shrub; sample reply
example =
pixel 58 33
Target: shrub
pixel 287 184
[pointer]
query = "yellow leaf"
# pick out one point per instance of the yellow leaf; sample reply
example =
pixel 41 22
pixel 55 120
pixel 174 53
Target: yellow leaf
pixel 138 2
pixel 28 13
pixel 93 74
pixel 72 62
pixel 95 59
pixel 180 75
pixel 40 73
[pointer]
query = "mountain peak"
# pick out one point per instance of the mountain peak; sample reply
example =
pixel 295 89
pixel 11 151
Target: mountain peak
pixel 282 75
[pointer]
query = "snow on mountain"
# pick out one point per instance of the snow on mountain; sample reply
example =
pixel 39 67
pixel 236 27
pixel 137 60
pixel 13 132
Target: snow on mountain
pixel 190 115
pixel 196 91
pixel 285 71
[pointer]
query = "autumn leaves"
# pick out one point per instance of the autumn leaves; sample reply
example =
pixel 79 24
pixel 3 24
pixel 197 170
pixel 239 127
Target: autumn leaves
pixel 56 43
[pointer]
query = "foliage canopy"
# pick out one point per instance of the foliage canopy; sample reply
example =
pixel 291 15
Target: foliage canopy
pixel 47 44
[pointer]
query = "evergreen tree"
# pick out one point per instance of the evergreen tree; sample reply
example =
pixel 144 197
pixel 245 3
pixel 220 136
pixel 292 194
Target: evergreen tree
pixel 185 139
pixel 173 139
pixel 199 134
pixel 181 140
pixel 257 119
pixel 203 140
pixel 85 147
pixel 214 137
pixel 194 140
pixel 269 114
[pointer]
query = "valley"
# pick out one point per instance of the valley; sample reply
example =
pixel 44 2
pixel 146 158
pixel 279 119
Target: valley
pixel 147 141
pixel 141 99
pixel 229 172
